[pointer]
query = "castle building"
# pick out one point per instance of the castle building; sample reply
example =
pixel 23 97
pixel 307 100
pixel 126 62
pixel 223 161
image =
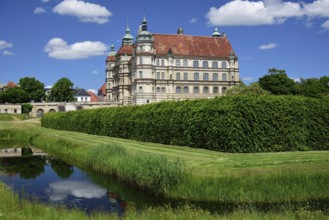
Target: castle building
pixel 159 67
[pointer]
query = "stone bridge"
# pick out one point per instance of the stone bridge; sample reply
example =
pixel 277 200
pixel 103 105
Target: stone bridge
pixel 41 108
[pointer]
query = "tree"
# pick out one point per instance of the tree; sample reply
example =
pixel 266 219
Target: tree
pixel 14 95
pixel 313 87
pixel 277 82
pixel 34 88
pixel 252 89
pixel 62 91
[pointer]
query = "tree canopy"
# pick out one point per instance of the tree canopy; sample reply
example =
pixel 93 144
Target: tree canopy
pixel 34 88
pixel 14 95
pixel 277 82
pixel 62 91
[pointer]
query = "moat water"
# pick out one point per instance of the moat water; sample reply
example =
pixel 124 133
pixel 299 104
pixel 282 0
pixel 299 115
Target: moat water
pixel 37 176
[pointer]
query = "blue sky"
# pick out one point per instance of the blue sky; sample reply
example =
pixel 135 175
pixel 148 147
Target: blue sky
pixel 50 39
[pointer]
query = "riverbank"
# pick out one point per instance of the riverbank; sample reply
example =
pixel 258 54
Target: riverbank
pixel 263 178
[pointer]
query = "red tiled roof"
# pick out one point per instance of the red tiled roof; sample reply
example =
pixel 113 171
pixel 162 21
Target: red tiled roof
pixel 110 58
pixel 93 97
pixel 11 84
pixel 102 90
pixel 126 49
pixel 186 45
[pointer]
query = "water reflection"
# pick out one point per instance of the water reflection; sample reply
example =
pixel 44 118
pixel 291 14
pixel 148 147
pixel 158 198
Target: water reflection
pixel 33 174
pixel 60 190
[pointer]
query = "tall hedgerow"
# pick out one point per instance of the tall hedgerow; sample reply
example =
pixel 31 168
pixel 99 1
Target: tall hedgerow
pixel 229 124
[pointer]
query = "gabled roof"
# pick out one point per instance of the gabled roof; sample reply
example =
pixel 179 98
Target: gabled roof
pixel 102 90
pixel 126 49
pixel 80 92
pixel 93 97
pixel 11 84
pixel 186 45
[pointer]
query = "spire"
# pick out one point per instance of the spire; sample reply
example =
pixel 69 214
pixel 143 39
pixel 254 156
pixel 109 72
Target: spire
pixel 216 33
pixel 144 23
pixel 128 39
pixel 112 51
pixel 143 34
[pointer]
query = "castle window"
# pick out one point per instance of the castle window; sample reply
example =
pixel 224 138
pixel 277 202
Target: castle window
pixel 215 64
pixel 205 76
pixel 196 90
pixel 158 90
pixel 215 90
pixel 140 74
pixel 186 90
pixel 177 62
pixel 158 75
pixel 196 76
pixel 140 60
pixel 223 64
pixel 185 76
pixel 195 63
pixel 178 89
pixel 177 76
pixel 223 90
pixel 162 75
pixel 205 90
pixel 205 64
pixel 162 62
pixel 163 90
pixel 224 77
pixel 185 63
pixel 215 77
pixel 158 62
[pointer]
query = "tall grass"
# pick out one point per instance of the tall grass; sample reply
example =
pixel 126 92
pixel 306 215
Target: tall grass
pixel 154 172
pixel 12 117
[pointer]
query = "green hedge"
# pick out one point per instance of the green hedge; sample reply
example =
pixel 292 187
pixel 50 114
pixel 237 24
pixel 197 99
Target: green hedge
pixel 229 124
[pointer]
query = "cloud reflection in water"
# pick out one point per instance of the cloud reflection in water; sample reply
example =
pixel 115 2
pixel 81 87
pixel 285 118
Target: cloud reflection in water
pixel 60 190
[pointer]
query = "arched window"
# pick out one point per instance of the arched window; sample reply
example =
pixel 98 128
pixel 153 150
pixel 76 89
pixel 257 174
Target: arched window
pixel 140 74
pixel 39 112
pixel 215 77
pixel 196 76
pixel 185 76
pixel 196 90
pixel 177 62
pixel 215 90
pixel 215 64
pixel 178 89
pixel 205 64
pixel 177 76
pixel 224 64
pixel 158 90
pixel 163 90
pixel 186 90
pixel 195 63
pixel 162 62
pixel 158 62
pixel 205 90
pixel 185 63
pixel 223 90
pixel 205 76
pixel 140 60
pixel 224 77
pixel 158 75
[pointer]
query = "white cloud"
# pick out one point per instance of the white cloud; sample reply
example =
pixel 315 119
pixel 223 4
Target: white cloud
pixel 57 48
pixel 93 90
pixel 85 11
pixel 39 10
pixel 194 20
pixel 264 12
pixel 295 79
pixel 60 190
pixel 4 44
pixel 7 53
pixel 94 72
pixel 268 46
pixel 325 25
